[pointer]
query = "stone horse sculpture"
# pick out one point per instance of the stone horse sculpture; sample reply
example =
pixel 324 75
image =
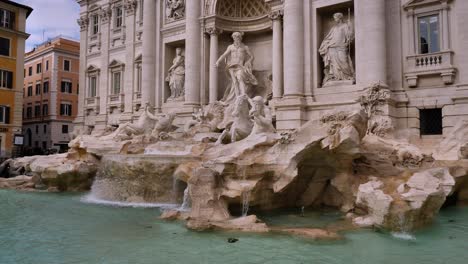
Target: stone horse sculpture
pixel 241 125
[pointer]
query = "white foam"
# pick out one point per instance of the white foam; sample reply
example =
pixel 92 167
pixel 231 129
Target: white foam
pixel 403 236
pixel 91 199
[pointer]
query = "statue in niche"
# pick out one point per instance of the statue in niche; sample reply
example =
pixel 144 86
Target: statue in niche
pixel 261 116
pixel 335 51
pixel 176 77
pixel 239 60
pixel 175 9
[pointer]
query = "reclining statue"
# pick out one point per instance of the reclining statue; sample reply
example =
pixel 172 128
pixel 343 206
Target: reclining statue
pixel 143 125
pixel 163 125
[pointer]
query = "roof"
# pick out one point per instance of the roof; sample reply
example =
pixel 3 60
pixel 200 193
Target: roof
pixel 29 9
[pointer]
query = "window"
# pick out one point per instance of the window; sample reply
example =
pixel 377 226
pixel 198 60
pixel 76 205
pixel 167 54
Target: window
pixel 6 79
pixel 65 109
pixel 118 17
pixel 30 93
pixel 46 87
pixel 38 88
pixel 29 112
pixel 66 86
pixel 429 34
pixel 39 68
pixel 64 129
pixel 66 65
pixel 430 121
pixel 37 111
pixel 4 114
pixel 139 77
pixel 95 24
pixel 45 129
pixel 37 130
pixel 4 46
pixel 116 82
pixel 77 88
pixel 47 65
pixel 45 110
pixel 7 19
pixel 44 144
pixel 92 86
pixel 30 71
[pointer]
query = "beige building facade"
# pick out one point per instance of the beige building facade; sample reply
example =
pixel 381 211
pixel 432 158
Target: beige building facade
pixel 308 57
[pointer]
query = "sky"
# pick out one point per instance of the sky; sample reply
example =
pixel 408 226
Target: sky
pixel 51 18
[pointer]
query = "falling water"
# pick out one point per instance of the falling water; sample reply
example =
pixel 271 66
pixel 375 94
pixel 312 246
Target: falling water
pixel 245 202
pixel 404 227
pixel 187 201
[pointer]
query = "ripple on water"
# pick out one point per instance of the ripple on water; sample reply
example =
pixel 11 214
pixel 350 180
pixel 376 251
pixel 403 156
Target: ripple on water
pixel 91 199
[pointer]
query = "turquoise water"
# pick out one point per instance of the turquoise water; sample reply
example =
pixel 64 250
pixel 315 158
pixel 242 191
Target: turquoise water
pixel 43 228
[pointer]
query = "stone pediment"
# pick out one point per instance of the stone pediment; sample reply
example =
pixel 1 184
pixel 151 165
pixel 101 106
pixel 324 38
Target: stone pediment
pixel 92 68
pixel 138 58
pixel 419 3
pixel 116 63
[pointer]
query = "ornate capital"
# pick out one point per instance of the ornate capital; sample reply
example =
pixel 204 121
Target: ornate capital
pixel 277 14
pixel 106 13
pixel 130 6
pixel 83 22
pixel 213 31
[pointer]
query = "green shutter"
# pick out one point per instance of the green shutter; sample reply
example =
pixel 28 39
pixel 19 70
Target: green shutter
pixel 9 79
pixel 7 115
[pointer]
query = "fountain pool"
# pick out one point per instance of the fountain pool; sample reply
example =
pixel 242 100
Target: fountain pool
pixel 44 228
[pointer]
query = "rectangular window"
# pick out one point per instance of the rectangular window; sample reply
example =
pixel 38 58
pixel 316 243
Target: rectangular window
pixel 37 111
pixel 64 129
pixel 4 114
pixel 118 17
pixel 430 121
pixel 95 23
pixel 30 92
pixel 46 87
pixel 45 110
pixel 45 129
pixel 429 41
pixel 66 87
pixel 66 65
pixel 30 71
pixel 139 77
pixel 44 144
pixel 116 82
pixel 29 112
pixel 65 109
pixel 92 86
pixel 4 46
pixel 47 65
pixel 37 131
pixel 6 79
pixel 38 88
pixel 39 68
pixel 7 19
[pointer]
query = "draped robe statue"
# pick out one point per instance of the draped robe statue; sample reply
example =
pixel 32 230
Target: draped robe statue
pixel 335 51
pixel 176 77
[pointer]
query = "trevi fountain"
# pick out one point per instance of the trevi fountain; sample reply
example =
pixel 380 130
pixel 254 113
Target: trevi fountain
pixel 258 174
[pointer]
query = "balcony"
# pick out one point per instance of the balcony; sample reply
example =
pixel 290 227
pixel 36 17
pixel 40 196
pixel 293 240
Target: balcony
pixel 92 103
pixel 439 63
pixel 116 101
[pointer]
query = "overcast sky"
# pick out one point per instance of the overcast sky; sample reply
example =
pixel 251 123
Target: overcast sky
pixel 53 18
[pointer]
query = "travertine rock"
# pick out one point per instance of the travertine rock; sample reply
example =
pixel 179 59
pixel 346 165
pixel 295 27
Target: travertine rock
pixel 454 145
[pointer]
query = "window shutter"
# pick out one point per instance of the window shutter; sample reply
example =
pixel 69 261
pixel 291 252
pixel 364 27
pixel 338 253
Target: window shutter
pixel 71 111
pixel 63 87
pixel 9 79
pixel 61 109
pixel 7 115
pixel 12 20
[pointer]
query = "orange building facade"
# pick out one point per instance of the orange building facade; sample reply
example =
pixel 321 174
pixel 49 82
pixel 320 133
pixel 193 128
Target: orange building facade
pixel 51 91
pixel 12 44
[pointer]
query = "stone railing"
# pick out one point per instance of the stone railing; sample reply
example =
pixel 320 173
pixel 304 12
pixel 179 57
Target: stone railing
pixel 430 64
pixel 92 103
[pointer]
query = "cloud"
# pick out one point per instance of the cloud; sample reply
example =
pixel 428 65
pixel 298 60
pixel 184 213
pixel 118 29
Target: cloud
pixel 51 18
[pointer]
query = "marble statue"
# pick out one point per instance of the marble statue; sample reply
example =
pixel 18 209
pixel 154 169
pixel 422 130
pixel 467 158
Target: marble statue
pixel 176 77
pixel 175 9
pixel 335 50
pixel 239 60
pixel 261 116
pixel 143 125
pixel 241 125
pixel 163 125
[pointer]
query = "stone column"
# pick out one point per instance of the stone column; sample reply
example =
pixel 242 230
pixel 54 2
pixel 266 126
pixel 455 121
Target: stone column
pixel 293 48
pixel 148 82
pixel 192 53
pixel 83 22
pixel 370 42
pixel 214 50
pixel 129 88
pixel 104 85
pixel 277 72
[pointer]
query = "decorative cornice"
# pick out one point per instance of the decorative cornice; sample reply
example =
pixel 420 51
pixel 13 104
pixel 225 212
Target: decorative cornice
pixel 106 13
pixel 130 7
pixel 83 22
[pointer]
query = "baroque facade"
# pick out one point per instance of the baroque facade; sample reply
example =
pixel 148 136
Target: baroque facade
pixel 308 57
pixel 51 92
